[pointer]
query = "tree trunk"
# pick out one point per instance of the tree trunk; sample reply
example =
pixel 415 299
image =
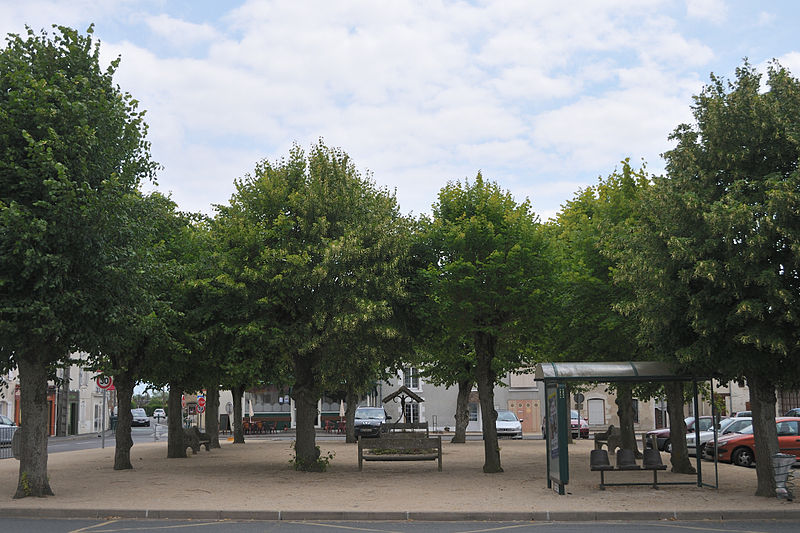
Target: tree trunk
pixel 305 401
pixel 236 423
pixel 176 447
pixel 625 413
pixel 677 429
pixel 462 411
pixel 63 404
pixel 212 416
pixel 762 404
pixel 123 383
pixel 484 350
pixel 351 402
pixel 34 431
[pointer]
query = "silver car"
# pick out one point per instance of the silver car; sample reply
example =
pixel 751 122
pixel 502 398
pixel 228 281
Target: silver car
pixel 7 429
pixel 508 425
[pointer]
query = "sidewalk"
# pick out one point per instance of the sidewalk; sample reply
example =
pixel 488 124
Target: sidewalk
pixel 254 481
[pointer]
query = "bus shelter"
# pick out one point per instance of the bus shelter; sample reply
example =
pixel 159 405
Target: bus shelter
pixel 556 376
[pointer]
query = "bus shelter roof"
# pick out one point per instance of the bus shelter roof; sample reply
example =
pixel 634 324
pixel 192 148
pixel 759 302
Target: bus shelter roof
pixel 638 371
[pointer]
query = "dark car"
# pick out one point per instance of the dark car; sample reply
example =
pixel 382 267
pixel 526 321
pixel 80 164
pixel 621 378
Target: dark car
pixel 140 418
pixel 368 421
pixel 662 437
pixel 793 412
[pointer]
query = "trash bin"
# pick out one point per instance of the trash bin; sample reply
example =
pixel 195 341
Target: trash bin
pixel 782 465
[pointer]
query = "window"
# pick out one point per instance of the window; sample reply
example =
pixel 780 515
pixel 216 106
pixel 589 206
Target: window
pixel 473 412
pixel 597 411
pixel 412 412
pixel 411 377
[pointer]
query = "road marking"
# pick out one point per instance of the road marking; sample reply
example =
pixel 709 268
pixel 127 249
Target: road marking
pixel 708 528
pixel 351 528
pixel 501 528
pixel 148 528
pixel 87 528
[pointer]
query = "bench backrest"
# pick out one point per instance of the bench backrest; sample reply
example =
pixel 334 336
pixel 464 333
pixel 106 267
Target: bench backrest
pixel 404 442
pixel 404 427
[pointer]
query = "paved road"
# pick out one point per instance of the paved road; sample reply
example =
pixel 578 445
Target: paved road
pixel 34 525
pixel 86 442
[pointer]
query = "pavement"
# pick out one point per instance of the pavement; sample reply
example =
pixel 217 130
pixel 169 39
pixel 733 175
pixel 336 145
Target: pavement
pixel 255 481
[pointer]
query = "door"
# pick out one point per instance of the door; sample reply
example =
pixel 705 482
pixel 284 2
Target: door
pixel 789 437
pixel 597 412
pixel 526 410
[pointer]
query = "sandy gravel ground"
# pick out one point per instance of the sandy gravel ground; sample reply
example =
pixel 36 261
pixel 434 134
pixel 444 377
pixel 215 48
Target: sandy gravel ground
pixel 257 476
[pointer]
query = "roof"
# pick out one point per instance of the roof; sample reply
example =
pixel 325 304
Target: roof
pixel 403 391
pixel 609 372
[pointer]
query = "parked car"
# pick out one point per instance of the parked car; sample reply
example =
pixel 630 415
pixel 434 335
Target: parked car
pixel 7 429
pixel 368 421
pixel 663 441
pixel 739 414
pixel 579 426
pixel 739 448
pixel 792 412
pixel 159 413
pixel 727 425
pixel 508 425
pixel 140 418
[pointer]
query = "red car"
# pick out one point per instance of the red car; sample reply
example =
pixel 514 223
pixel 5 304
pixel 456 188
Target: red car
pixel 739 448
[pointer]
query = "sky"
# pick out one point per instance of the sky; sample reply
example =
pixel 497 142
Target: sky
pixel 542 97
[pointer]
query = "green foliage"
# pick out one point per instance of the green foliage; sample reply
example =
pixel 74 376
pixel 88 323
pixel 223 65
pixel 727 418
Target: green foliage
pixel 715 259
pixel 320 464
pixel 487 269
pixel 71 146
pixel 586 233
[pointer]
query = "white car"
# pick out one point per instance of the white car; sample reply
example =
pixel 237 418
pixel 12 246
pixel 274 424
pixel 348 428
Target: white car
pixel 729 425
pixel 159 413
pixel 508 425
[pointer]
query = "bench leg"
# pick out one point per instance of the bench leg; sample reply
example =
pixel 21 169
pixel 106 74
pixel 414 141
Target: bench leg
pixel 602 480
pixel 655 479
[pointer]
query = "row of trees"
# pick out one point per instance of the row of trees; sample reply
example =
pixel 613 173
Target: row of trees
pixel 310 276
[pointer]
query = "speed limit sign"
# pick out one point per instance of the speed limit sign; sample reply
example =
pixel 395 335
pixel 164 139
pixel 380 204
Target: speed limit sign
pixel 104 382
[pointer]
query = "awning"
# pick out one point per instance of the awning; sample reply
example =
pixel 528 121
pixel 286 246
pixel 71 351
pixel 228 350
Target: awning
pixel 640 371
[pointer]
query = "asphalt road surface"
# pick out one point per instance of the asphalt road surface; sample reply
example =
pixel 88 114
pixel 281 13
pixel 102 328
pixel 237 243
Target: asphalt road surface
pixel 34 525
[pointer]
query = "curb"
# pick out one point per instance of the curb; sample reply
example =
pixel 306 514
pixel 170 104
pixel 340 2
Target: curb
pixel 400 516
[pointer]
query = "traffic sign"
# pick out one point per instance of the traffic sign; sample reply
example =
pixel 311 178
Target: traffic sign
pixel 200 408
pixel 201 401
pixel 104 382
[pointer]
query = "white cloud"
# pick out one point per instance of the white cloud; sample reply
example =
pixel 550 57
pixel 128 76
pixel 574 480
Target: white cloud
pixel 544 97
pixel 715 11
pixel 180 33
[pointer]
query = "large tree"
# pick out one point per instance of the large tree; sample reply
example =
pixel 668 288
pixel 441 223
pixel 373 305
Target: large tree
pixel 490 277
pixel 321 248
pixel 71 143
pixel 725 217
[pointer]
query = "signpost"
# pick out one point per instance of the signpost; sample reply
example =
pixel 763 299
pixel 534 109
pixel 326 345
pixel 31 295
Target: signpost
pixel 105 383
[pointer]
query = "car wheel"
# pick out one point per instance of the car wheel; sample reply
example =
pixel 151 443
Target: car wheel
pixel 668 446
pixel 743 457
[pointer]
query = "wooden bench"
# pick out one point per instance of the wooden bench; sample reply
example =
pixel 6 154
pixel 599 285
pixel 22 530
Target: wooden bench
pixel 400 448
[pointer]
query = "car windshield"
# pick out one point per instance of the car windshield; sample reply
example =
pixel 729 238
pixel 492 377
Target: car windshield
pixel 574 414
pixel 370 414
pixel 506 416
pixel 138 412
